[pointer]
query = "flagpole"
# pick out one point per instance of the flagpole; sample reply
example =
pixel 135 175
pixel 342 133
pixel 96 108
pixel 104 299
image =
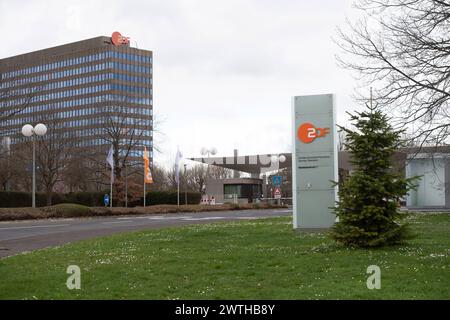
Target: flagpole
pixel 112 172
pixel 144 189
pixel 110 161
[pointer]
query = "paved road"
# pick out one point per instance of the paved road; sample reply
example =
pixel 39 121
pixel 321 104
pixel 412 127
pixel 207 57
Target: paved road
pixel 20 236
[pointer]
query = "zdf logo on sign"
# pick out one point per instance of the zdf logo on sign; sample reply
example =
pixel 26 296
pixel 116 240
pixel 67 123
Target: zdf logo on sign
pixel 307 132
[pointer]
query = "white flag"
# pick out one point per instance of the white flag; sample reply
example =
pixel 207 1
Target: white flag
pixel 110 161
pixel 177 165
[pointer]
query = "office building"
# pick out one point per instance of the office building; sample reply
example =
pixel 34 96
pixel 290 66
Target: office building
pixel 80 86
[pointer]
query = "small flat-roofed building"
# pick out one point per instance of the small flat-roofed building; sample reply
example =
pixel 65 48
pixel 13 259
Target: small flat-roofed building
pixel 239 190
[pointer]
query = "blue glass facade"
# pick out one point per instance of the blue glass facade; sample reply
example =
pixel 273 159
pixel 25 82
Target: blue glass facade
pixel 79 84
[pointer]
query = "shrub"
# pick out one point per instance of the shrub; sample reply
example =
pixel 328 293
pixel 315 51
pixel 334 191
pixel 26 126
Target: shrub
pixel 7 214
pixel 168 197
pixel 67 210
pixel 14 199
pixel 91 199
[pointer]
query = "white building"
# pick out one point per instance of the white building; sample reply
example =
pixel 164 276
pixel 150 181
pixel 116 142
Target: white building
pixel 432 164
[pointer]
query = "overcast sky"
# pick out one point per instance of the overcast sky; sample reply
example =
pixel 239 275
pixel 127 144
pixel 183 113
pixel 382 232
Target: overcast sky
pixel 224 71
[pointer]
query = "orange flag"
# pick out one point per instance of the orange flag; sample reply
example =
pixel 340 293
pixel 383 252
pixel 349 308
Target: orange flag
pixel 147 173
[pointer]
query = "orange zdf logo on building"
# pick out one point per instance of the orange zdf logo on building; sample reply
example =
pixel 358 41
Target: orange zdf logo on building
pixel 307 132
pixel 118 39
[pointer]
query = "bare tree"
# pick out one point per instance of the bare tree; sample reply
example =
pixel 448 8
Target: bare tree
pixel 171 178
pixel 158 134
pixel 194 177
pixel 10 165
pixel 197 175
pixel 15 97
pixel 125 132
pixel 53 154
pixel 77 174
pixel 401 48
pixel 24 96
pixel 216 172
pixel 160 178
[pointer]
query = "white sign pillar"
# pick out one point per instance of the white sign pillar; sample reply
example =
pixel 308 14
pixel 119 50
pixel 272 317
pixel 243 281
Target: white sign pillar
pixel 314 161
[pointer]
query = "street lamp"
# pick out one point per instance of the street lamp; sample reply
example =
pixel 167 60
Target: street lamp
pixel 208 152
pixel 28 131
pixel 185 185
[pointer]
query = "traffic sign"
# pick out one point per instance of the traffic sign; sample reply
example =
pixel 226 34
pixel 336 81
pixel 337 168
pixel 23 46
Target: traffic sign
pixel 277 193
pixel 276 180
pixel 106 200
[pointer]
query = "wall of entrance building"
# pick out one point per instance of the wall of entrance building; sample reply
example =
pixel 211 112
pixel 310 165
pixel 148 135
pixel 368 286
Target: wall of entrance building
pixel 240 190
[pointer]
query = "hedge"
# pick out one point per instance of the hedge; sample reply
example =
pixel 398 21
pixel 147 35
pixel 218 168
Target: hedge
pixel 90 199
pixel 15 199
pixel 169 197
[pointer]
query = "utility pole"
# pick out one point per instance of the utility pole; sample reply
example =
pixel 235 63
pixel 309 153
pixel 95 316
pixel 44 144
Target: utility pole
pixel 185 185
pixel 126 185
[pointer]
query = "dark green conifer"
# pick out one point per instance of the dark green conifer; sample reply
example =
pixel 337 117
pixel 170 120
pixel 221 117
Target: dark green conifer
pixel 369 198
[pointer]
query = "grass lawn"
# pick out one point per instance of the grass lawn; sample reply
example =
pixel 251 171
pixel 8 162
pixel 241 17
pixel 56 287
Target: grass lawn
pixel 254 259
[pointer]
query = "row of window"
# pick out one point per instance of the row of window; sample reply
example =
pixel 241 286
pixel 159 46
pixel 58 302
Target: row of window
pixel 70 123
pixel 137 153
pixel 87 101
pixel 55 75
pixel 75 72
pixel 129 67
pixel 77 92
pixel 129 57
pixel 76 61
pixel 131 89
pixel 80 81
pixel 66 114
pixel 91 111
pixel 130 121
pixel 134 100
pixel 61 84
pixel 99 131
pixel 131 78
pixel 59 95
pixel 91 139
pixel 101 142
pixel 98 121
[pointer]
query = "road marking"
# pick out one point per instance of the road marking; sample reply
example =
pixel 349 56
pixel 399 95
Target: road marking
pixel 122 221
pixel 128 218
pixel 169 218
pixel 30 227
pixel 205 218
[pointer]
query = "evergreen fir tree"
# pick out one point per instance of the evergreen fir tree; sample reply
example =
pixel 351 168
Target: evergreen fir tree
pixel 368 206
